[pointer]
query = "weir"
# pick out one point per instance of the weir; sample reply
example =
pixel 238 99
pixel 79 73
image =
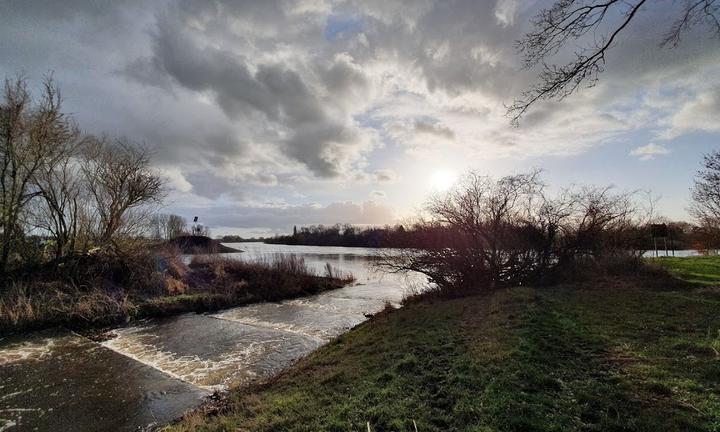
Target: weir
pixel 153 371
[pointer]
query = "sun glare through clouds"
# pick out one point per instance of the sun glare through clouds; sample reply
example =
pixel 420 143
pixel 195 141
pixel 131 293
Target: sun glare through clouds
pixel 442 180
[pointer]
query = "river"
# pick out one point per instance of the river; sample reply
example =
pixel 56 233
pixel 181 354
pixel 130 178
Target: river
pixel 155 370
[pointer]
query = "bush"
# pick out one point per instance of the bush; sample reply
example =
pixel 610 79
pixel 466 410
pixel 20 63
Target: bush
pixel 507 231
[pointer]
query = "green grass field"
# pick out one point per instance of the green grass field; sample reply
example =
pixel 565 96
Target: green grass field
pixel 613 356
pixel 703 270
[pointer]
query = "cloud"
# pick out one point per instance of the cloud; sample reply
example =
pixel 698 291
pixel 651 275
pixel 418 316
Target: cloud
pixel 505 11
pixel 312 100
pixel 378 194
pixel 701 113
pixel 649 151
pixel 306 114
pixel 176 179
pixel 385 176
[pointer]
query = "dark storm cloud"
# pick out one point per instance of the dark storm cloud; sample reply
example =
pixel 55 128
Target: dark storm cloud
pixel 315 136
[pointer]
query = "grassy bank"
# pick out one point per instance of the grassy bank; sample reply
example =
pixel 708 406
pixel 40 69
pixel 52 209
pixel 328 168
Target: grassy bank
pixel 701 270
pixel 616 354
pixel 162 287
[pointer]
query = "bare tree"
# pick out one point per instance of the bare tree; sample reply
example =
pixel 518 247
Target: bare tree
pixel 705 193
pixel 484 245
pixel 32 136
pixel 158 225
pixel 168 226
pixel 61 198
pixel 599 223
pixel 176 226
pixel 568 21
pixel 122 186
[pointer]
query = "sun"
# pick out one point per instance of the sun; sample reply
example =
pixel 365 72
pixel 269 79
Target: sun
pixel 442 180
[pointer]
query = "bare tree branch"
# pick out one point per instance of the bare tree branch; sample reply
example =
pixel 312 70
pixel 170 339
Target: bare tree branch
pixel 570 20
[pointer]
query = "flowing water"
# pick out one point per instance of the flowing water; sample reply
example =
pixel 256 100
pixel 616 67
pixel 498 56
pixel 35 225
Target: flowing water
pixel 154 371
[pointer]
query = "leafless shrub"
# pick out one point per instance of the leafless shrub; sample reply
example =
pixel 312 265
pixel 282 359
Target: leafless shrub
pixel 507 231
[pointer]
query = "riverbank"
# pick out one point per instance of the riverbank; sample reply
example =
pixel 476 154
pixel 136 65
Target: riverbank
pixel 208 283
pixel 196 244
pixel 700 270
pixel 622 353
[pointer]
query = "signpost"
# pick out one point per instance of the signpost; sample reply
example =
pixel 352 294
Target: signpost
pixel 196 227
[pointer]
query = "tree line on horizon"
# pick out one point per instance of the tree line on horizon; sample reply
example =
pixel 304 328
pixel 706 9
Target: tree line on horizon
pixel 682 235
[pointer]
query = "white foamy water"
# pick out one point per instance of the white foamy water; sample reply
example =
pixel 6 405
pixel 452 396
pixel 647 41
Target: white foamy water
pixel 27 351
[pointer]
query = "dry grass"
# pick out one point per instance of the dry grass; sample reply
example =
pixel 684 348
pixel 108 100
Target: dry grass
pixel 97 291
pixel 271 278
pixel 33 304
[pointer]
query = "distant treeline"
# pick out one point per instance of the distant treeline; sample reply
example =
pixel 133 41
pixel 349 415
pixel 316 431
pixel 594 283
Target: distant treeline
pixel 238 239
pixel 682 235
pixel 350 236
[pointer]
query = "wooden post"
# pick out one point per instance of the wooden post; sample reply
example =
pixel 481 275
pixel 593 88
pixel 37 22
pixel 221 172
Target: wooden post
pixel 655 245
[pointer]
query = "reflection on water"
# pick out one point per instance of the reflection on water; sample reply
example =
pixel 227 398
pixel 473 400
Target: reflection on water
pixel 673 253
pixel 154 371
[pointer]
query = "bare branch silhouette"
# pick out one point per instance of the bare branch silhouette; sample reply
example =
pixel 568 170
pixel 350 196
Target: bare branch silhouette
pixel 570 20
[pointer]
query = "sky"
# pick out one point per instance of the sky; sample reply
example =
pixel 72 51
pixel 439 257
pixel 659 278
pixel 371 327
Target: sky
pixel 266 114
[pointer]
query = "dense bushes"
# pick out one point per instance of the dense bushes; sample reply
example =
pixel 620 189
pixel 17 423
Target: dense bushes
pixel 507 231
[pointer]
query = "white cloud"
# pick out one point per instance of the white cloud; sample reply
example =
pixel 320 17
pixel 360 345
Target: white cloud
pixel 505 11
pixel 649 151
pixel 175 178
pixel 701 113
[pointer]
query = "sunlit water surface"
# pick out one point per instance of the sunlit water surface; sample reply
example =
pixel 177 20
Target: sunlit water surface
pixel 157 369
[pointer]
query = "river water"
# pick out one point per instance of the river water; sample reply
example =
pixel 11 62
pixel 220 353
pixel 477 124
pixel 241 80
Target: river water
pixel 157 369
